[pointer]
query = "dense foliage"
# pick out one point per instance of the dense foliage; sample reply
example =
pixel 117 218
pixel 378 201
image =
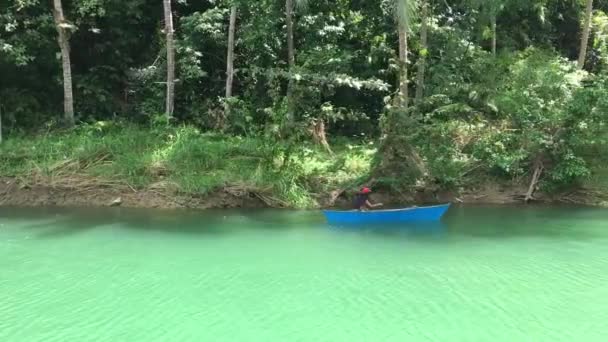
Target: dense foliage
pixel 501 94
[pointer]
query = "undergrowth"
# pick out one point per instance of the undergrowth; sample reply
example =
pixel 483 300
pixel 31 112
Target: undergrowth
pixel 185 160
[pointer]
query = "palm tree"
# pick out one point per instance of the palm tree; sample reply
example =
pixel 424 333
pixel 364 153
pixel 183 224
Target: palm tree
pixel 230 60
pixel 63 28
pixel 290 6
pixel 582 56
pixel 170 99
pixel 423 50
pixel 404 13
pixel 489 10
pixel 318 125
pixel 291 55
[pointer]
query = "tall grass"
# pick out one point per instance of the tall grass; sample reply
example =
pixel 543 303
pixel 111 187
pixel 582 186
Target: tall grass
pixel 190 161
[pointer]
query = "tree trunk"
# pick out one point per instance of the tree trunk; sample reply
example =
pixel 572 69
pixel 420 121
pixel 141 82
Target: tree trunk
pixel 423 52
pixel 170 100
pixel 403 91
pixel 319 134
pixel 538 171
pixel 582 56
pixel 0 124
pixel 291 59
pixel 64 44
pixel 291 62
pixel 229 63
pixel 493 34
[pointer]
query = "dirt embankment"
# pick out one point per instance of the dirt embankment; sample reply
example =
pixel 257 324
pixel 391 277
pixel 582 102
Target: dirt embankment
pixel 15 192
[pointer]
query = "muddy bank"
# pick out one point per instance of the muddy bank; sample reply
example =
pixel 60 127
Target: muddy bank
pixel 14 192
pixel 491 194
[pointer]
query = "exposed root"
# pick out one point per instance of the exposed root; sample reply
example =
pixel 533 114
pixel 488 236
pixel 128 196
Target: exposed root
pixel 263 194
pixel 583 196
pixel 538 171
pixel 271 201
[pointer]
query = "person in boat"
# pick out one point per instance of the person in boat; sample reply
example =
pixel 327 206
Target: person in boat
pixel 362 200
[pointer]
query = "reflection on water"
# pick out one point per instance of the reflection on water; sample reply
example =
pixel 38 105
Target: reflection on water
pixel 435 229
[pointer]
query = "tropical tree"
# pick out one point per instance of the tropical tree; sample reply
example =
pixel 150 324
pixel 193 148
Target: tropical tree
pixel 397 153
pixel 230 59
pixel 404 14
pixel 424 17
pixel 489 10
pixel 170 98
pixel 582 55
pixel 290 6
pixel 63 30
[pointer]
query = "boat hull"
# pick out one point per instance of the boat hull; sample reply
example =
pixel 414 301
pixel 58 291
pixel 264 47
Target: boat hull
pixel 418 214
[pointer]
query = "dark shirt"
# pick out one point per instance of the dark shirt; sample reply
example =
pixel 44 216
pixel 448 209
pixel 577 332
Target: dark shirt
pixel 360 200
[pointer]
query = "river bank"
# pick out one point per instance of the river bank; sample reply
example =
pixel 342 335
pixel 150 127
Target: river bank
pixel 106 164
pixel 17 192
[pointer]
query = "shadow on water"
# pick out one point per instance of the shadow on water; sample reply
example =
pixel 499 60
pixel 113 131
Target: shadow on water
pixel 48 223
pixel 45 222
pixel 415 229
pixel 466 221
pixel 525 221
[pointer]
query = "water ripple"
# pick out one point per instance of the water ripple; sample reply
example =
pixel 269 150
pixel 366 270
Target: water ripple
pixel 118 283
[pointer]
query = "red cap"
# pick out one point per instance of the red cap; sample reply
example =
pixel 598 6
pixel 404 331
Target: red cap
pixel 366 190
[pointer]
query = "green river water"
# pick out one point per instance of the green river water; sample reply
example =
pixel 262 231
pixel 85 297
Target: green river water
pixel 485 274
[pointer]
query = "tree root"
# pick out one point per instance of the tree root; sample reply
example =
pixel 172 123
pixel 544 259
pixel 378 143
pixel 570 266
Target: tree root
pixel 538 171
pixel 583 196
pixel 263 194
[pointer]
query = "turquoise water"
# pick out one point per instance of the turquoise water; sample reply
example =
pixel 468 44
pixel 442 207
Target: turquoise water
pixel 485 274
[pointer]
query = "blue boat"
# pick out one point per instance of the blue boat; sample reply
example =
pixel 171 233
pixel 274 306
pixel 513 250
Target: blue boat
pixel 390 216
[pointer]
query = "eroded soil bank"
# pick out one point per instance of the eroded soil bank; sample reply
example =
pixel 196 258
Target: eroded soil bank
pixel 16 192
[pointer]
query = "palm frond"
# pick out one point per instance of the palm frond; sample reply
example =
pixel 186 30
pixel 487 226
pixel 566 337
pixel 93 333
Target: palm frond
pixel 301 4
pixel 405 12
